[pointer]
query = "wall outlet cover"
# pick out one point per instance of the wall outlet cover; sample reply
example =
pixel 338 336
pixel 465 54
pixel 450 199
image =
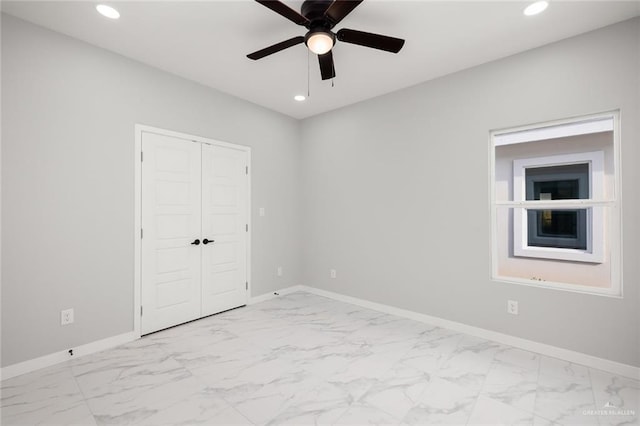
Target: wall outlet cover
pixel 512 307
pixel 66 317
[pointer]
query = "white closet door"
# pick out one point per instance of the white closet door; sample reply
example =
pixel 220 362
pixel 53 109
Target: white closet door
pixel 224 220
pixel 171 222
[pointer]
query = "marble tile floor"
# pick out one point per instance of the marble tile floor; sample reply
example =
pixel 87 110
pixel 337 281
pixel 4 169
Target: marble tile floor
pixel 303 359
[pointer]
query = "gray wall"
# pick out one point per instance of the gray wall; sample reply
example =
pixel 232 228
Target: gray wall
pixel 68 116
pixel 398 192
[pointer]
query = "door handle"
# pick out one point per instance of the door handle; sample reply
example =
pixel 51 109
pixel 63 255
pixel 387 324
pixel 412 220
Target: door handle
pixel 196 242
pixel 205 241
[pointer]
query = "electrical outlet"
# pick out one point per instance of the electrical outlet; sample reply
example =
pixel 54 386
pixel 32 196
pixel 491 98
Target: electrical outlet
pixel 512 307
pixel 66 317
pixel 333 273
pixel 261 211
pixel 279 271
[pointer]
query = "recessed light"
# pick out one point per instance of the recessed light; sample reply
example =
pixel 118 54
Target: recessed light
pixel 299 98
pixel 108 11
pixel 535 8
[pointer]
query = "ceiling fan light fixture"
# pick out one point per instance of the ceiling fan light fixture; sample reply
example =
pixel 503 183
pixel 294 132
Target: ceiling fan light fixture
pixel 320 42
pixel 535 8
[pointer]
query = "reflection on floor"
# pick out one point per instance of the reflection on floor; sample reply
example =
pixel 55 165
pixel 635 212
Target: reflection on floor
pixel 305 359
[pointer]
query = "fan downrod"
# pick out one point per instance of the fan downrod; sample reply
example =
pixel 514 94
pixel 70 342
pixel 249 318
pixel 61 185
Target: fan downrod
pixel 314 10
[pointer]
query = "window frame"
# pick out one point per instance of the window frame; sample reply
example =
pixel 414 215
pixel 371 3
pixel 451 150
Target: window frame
pixel 594 252
pixel 585 124
pixel 533 220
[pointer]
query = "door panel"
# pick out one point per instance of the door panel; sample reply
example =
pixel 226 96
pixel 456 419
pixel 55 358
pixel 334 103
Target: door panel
pixel 171 220
pixel 224 218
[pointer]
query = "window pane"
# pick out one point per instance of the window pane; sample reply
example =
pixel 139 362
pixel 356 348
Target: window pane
pixel 568 182
pixel 557 190
pixel 557 228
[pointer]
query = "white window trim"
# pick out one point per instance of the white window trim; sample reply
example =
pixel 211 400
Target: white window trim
pixel 557 130
pixel 595 215
pixel 616 290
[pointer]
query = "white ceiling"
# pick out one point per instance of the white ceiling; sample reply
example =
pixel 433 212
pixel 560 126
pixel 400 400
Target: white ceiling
pixel 206 41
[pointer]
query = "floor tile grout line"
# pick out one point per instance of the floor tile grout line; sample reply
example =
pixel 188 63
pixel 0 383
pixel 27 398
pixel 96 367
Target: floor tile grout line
pixel 484 380
pixel 426 388
pixel 535 398
pixel 84 397
pixel 532 411
pixel 593 394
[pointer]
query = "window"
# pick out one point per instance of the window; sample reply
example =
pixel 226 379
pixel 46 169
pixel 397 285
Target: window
pixel 557 228
pixel 555 215
pixel 559 231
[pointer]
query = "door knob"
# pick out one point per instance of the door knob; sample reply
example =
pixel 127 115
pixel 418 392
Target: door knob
pixel 196 242
pixel 205 241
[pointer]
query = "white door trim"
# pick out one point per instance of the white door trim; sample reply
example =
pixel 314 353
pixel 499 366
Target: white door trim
pixel 137 243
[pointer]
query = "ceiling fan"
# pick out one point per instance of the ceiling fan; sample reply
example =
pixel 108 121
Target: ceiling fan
pixel 319 17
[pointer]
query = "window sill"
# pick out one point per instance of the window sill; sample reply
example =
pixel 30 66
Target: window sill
pixel 551 253
pixel 614 293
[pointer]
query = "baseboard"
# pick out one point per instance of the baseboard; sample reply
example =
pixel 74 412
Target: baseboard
pixel 529 345
pixel 276 293
pixel 62 356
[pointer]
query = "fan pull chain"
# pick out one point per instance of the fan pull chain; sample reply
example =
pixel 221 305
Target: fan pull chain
pixel 308 72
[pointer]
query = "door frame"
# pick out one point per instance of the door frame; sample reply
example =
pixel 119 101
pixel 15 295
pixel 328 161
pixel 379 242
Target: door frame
pixel 137 231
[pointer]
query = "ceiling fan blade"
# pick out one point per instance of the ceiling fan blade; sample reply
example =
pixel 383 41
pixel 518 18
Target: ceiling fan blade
pixel 327 69
pixel 275 48
pixel 376 41
pixel 284 10
pixel 339 9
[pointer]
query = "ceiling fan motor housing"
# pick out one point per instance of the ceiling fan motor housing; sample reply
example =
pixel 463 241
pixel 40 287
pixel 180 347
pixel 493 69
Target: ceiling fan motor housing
pixel 314 11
